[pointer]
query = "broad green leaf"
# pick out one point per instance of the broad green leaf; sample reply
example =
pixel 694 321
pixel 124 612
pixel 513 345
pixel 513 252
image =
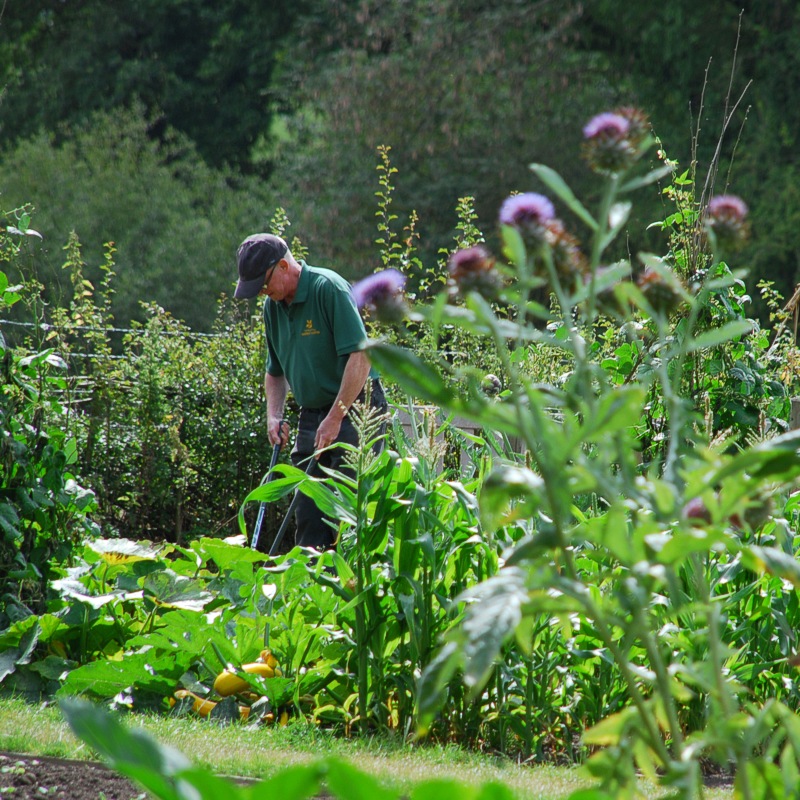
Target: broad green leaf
pixel 415 375
pixel 773 561
pixel 278 487
pixel 130 751
pixel 176 591
pixel 513 245
pixel 434 679
pixel 70 587
pixel 291 783
pixel 123 551
pixel 491 618
pixel 616 411
pixel 495 791
pixel 590 794
pixel 9 522
pixel 348 783
pixel 775 459
pixel 509 493
pixel 716 336
pixel 560 188
pixel 678 547
pixel 610 730
pixel 224 554
pixel 8 662
pixel 206 785
pixel 443 789
pixel 106 679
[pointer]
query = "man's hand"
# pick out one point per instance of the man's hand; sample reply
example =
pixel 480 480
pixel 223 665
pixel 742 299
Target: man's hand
pixel 278 431
pixel 328 429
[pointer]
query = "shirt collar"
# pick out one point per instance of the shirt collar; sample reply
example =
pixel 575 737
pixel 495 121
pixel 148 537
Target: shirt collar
pixel 301 293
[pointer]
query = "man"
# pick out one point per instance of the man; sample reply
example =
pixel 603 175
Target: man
pixel 314 335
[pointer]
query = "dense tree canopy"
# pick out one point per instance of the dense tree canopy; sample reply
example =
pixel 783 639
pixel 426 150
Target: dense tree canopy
pixel 205 67
pixel 301 95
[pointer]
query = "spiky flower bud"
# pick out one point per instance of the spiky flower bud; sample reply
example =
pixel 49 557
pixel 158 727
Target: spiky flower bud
pixel 696 511
pixel 662 292
pixel 491 385
pixel 382 293
pixel 472 270
pixel 568 258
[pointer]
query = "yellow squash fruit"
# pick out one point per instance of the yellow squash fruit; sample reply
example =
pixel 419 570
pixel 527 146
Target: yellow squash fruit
pixel 204 707
pixel 267 657
pixel 201 706
pixel 228 683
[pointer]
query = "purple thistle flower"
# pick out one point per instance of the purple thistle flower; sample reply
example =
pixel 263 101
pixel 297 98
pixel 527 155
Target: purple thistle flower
pixel 472 269
pixel 382 292
pixel 608 125
pixel 530 214
pixel 525 211
pixel 470 260
pixel 726 217
pixel 728 206
pixel 612 140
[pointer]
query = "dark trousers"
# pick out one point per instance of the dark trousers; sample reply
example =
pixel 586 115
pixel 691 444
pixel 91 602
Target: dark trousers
pixel 314 529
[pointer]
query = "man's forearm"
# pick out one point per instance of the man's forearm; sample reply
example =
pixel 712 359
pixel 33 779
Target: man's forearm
pixel 275 390
pixel 355 375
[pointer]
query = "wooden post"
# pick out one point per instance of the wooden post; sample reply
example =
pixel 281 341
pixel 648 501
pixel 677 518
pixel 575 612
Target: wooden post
pixel 794 414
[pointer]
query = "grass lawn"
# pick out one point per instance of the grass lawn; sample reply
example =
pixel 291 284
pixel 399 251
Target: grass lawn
pixel 38 729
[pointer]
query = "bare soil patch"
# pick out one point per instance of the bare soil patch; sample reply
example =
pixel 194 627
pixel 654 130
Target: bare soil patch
pixel 24 777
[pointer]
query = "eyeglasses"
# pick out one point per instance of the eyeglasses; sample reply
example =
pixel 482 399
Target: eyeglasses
pixel 265 287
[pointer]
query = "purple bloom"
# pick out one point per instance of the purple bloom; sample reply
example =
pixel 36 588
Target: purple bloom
pixel 614 140
pixel 472 269
pixel 608 125
pixel 727 206
pixel 529 213
pixel 726 217
pixel 470 260
pixel 382 292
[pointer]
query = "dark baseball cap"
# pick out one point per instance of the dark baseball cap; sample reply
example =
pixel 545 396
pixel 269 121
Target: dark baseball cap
pixel 256 255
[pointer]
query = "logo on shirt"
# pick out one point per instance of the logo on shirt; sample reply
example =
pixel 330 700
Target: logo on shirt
pixel 310 330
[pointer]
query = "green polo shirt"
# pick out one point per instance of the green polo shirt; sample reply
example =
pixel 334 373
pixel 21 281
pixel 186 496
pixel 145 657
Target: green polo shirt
pixel 310 339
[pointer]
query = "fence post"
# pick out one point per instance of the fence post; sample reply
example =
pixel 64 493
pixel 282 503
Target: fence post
pixel 794 414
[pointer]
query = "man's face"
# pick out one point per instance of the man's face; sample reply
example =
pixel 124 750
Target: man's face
pixel 275 282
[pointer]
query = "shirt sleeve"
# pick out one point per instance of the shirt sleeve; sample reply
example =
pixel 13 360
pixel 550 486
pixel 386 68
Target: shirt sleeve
pixel 274 366
pixel 348 328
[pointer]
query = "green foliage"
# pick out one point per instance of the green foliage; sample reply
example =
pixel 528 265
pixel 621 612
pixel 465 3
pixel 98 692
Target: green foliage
pixel 43 510
pixel 169 775
pixel 631 555
pixel 175 223
pixel 466 92
pixel 61 63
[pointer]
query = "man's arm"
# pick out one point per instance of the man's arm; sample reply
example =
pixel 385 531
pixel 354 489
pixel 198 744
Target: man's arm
pixel 356 372
pixel 275 389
